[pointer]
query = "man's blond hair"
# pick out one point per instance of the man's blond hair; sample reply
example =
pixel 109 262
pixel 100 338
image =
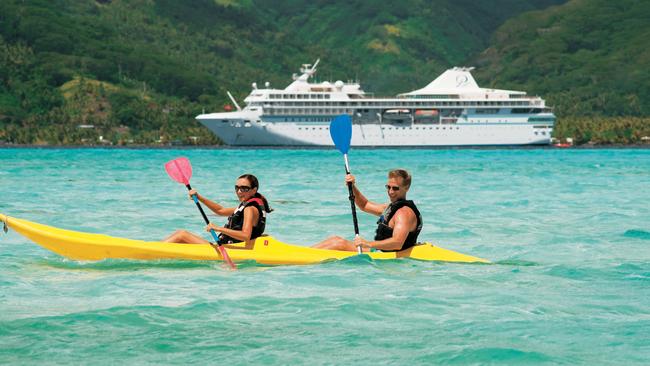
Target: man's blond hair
pixel 401 173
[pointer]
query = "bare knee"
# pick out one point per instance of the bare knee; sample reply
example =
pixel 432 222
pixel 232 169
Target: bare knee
pixel 339 241
pixel 335 239
pixel 335 242
pixel 177 236
pixel 180 233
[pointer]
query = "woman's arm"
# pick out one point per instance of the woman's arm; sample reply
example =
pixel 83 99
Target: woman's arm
pixel 251 216
pixel 213 206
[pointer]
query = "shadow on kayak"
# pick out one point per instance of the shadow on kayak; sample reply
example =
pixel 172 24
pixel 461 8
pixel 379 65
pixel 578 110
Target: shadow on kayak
pixel 365 259
pixel 135 265
pixel 175 264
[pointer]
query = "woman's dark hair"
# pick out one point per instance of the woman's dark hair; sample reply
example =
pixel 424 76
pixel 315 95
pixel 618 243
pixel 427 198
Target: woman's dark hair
pixel 256 184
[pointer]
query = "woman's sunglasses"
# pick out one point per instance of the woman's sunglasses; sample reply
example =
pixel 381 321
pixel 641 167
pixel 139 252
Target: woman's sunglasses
pixel 393 188
pixel 243 188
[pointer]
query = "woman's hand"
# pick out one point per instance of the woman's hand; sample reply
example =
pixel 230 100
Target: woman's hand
pixel 212 226
pixel 193 192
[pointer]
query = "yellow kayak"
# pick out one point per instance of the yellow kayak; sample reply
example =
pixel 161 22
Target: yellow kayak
pixel 265 250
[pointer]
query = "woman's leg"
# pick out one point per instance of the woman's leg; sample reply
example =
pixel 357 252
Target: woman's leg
pixel 184 237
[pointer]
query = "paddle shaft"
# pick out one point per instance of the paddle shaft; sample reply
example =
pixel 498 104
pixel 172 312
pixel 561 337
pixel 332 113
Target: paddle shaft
pixel 352 205
pixel 205 217
pixel 221 249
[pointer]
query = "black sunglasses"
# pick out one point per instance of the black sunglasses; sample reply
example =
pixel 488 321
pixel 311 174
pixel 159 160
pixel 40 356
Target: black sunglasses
pixel 243 188
pixel 393 188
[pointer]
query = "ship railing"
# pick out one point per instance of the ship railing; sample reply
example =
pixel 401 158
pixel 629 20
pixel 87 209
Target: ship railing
pixel 398 105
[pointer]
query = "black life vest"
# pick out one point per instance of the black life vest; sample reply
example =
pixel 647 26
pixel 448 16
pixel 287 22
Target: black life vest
pixel 384 231
pixel 236 221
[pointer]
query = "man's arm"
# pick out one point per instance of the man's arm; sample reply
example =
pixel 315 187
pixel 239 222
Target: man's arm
pixel 405 222
pixel 362 202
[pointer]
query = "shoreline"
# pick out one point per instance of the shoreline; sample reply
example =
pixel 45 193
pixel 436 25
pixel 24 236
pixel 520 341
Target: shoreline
pixel 260 147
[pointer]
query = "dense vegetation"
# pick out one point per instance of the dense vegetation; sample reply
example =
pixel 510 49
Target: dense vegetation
pixel 589 59
pixel 139 71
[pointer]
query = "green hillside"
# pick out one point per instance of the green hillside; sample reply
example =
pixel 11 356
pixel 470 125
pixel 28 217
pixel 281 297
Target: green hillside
pixel 139 71
pixel 589 59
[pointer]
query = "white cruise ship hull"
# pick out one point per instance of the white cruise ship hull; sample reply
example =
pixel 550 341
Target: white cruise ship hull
pixel 240 133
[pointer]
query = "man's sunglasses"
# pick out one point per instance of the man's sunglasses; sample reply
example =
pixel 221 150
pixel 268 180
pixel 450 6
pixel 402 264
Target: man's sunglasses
pixel 393 188
pixel 243 188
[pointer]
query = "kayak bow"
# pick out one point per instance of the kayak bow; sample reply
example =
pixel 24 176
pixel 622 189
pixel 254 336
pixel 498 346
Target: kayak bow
pixel 265 250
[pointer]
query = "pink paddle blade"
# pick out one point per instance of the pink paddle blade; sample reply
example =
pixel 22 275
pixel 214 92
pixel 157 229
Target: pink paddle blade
pixel 179 170
pixel 226 257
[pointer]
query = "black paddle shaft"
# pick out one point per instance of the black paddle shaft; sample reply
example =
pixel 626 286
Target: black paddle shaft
pixel 189 188
pixel 205 217
pixel 354 208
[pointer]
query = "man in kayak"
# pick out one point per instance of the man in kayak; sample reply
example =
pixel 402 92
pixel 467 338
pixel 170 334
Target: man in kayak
pixel 399 221
pixel 245 222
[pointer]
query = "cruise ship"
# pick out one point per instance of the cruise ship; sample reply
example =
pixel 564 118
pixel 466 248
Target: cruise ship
pixel 452 110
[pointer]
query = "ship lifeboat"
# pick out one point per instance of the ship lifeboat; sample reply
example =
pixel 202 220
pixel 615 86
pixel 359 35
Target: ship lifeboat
pixel 397 114
pixel 426 113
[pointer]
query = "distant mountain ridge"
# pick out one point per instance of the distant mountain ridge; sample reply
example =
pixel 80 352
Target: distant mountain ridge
pixel 588 58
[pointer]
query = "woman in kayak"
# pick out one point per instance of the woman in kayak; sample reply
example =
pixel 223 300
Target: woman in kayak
pixel 245 222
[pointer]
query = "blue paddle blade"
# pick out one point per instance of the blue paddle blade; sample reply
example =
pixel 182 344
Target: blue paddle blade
pixel 341 132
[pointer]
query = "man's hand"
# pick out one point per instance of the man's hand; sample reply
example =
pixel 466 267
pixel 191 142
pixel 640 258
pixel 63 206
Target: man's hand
pixel 349 178
pixel 361 242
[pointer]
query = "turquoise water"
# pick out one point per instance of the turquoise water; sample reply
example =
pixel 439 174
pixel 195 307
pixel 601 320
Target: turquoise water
pixel 568 230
